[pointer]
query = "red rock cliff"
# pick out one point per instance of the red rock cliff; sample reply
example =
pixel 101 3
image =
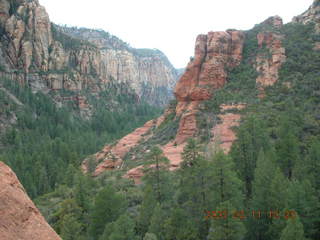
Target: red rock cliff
pixel 19 217
pixel 214 52
pixel 268 65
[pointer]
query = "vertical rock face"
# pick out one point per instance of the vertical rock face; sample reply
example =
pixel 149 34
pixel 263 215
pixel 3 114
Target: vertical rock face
pixel 148 71
pixel 50 57
pixel 207 71
pixel 214 54
pixel 19 218
pixel 311 15
pixel 268 62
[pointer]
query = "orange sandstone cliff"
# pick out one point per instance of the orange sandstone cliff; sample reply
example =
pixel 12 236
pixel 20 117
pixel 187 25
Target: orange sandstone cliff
pixel 207 71
pixel 268 64
pixel 19 217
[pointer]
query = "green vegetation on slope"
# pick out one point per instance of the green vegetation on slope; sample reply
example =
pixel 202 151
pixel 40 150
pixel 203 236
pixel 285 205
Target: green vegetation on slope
pixel 273 166
pixel 47 140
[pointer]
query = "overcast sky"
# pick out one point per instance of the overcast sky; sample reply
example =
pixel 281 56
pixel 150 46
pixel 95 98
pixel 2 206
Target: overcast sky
pixel 169 25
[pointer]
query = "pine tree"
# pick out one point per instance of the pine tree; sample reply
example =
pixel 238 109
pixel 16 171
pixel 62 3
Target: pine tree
pixel 287 148
pixel 123 229
pixel 108 230
pixel 157 222
pixel 225 182
pixel 293 231
pixel 146 210
pixel 228 227
pixel 68 208
pixel 71 228
pixel 278 191
pixel 313 165
pixel 302 197
pixel 108 206
pixel 195 185
pixel 155 173
pixel 278 202
pixel 150 236
pixel 252 138
pixel 180 226
pixel 261 199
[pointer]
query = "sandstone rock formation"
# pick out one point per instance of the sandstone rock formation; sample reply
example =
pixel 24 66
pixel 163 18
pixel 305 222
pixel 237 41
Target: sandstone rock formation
pixel 214 54
pixel 49 57
pixel 207 71
pixel 111 156
pixel 268 62
pixel 222 133
pixel 311 15
pixel 19 217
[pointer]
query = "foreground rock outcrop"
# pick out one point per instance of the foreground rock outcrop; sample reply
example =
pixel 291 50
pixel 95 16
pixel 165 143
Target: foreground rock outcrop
pixel 50 58
pixel 19 217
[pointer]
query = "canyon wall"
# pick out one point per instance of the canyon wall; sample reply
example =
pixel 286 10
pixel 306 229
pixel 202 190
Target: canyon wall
pixel 216 54
pixel 49 57
pixel 19 217
pixel 312 15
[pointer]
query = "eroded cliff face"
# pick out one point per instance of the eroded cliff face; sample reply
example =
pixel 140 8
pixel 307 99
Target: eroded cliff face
pixel 311 15
pixel 148 71
pixel 271 54
pixel 49 57
pixel 215 53
pixel 19 217
pixel 222 133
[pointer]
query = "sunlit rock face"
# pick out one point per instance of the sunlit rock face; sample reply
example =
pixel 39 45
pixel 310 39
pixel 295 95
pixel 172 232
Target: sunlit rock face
pixel 19 217
pixel 49 57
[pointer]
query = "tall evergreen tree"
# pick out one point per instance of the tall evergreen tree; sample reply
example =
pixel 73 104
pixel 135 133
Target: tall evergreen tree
pixel 252 138
pixel 293 231
pixel 155 173
pixel 157 222
pixel 303 199
pixel 261 199
pixel 150 236
pixel 108 206
pixel 287 148
pixel 228 227
pixel 71 228
pixel 225 182
pixel 123 229
pixel 146 210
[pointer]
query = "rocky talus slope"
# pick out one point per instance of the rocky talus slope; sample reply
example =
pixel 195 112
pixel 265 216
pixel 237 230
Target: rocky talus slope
pixel 19 217
pixel 51 58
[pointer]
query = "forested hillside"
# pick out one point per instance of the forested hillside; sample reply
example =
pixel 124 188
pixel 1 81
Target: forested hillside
pixel 45 143
pixel 236 156
pixel 267 187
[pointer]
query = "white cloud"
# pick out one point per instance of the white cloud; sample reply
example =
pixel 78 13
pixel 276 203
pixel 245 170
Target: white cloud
pixel 169 25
